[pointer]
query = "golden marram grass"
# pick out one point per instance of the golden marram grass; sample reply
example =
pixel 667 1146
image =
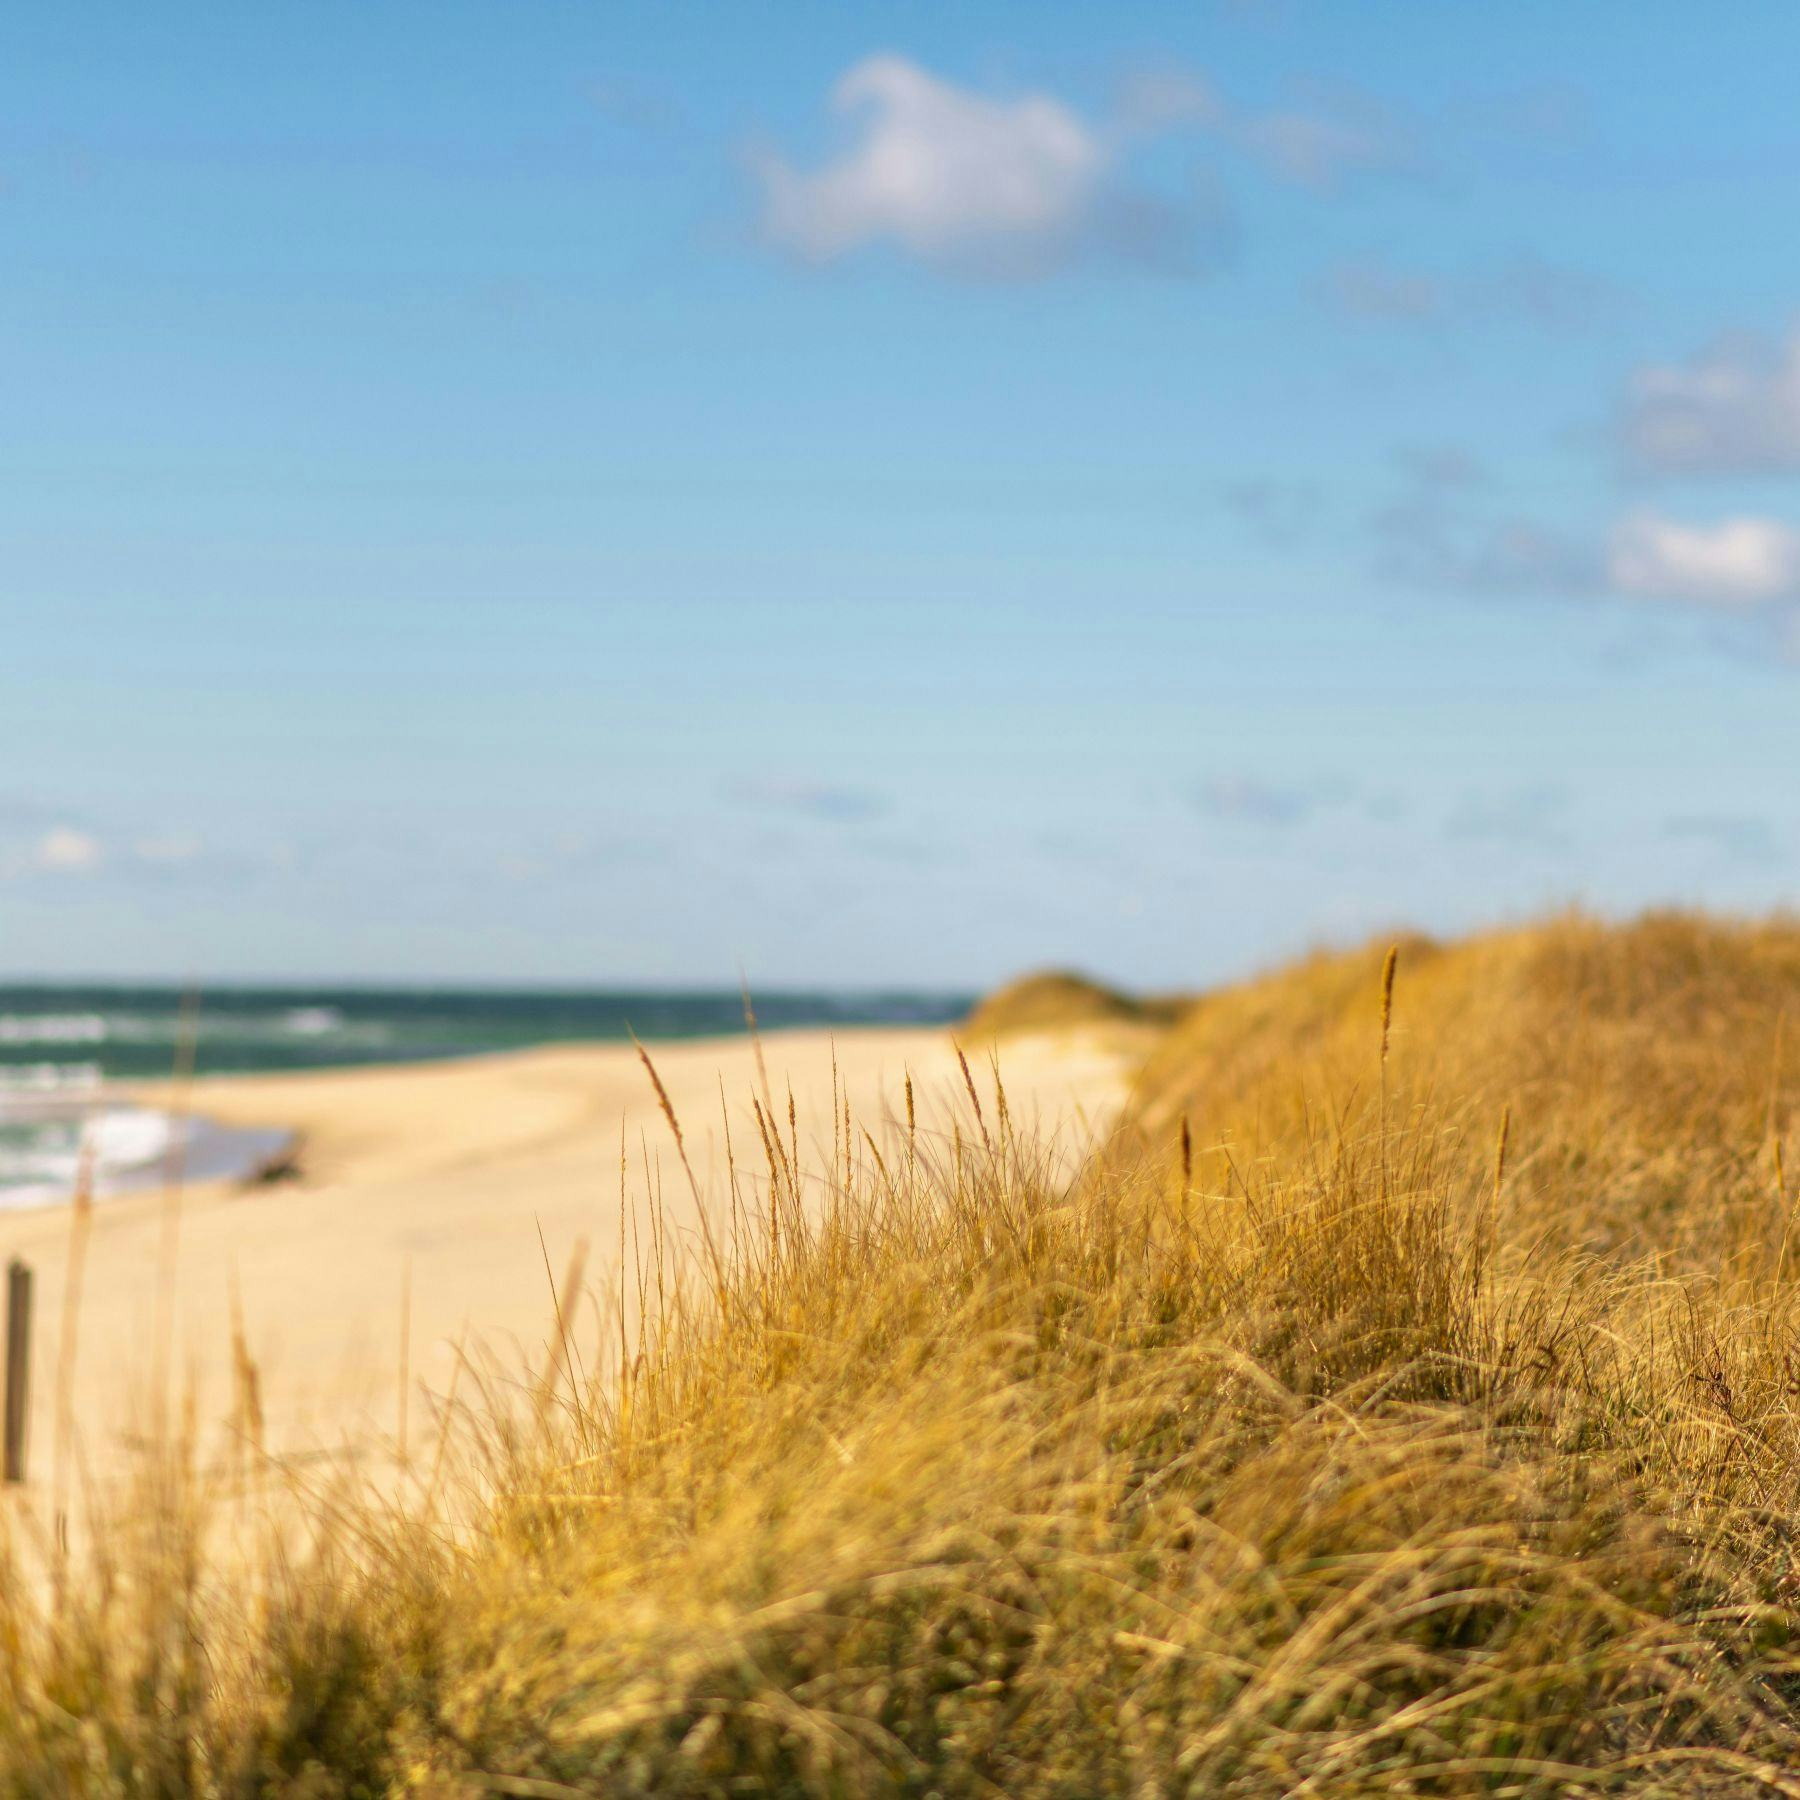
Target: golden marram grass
pixel 1404 1402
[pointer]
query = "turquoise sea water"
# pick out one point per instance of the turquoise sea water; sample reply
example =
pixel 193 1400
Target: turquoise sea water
pixel 60 1047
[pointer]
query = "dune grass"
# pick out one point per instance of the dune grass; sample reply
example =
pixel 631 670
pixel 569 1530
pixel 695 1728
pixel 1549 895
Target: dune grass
pixel 1060 1000
pixel 1400 1404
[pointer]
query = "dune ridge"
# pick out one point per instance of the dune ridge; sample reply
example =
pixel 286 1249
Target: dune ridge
pixel 1400 1400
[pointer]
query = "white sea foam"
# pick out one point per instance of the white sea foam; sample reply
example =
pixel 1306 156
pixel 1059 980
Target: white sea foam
pixel 36 1080
pixel 52 1028
pixel 129 1137
pixel 41 1154
pixel 312 1021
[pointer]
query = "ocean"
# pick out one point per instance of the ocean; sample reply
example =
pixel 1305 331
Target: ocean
pixel 63 1047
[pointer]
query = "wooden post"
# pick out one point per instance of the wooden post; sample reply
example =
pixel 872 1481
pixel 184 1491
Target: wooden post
pixel 18 1365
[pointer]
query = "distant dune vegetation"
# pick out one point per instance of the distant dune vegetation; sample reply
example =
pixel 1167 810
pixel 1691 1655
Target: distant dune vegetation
pixel 1058 999
pixel 1406 1401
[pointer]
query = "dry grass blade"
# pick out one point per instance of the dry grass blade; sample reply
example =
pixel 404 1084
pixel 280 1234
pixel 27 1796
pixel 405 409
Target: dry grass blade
pixel 962 1062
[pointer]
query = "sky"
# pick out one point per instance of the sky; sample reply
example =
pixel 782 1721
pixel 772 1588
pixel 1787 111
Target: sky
pixel 887 494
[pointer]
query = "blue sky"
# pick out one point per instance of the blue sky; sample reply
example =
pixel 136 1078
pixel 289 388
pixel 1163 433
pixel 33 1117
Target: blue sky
pixel 886 494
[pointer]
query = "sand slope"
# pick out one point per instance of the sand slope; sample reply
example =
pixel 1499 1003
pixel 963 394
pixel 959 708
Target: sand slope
pixel 435 1181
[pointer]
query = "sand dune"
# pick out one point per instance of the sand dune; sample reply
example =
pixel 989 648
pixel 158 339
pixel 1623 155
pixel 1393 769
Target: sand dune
pixel 433 1183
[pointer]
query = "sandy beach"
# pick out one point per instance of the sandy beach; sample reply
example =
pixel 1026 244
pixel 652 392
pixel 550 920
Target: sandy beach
pixel 419 1201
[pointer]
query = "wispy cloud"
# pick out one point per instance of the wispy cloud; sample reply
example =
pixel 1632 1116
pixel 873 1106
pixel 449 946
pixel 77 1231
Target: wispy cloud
pixel 171 850
pixel 1331 139
pixel 1165 97
pixel 1532 816
pixel 1371 289
pixel 1441 467
pixel 1732 409
pixel 1740 836
pixel 1521 290
pixel 1247 799
pixel 1427 540
pixel 638 106
pixel 825 802
pixel 1277 511
pixel 1553 295
pixel 1327 138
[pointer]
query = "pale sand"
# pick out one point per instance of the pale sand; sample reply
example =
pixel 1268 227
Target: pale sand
pixel 437 1179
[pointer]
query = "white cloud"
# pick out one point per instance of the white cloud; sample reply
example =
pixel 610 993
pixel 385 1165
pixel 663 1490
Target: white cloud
pixel 1733 409
pixel 64 849
pixel 1007 188
pixel 1737 564
pixel 949 175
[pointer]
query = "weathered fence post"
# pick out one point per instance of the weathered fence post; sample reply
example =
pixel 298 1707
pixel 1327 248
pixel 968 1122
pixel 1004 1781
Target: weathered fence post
pixel 18 1366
